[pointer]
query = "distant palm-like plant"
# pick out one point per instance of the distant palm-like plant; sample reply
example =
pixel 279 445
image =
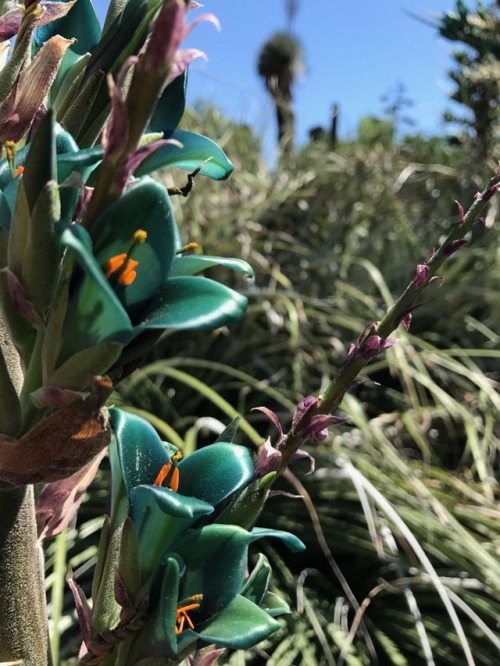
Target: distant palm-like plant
pixel 279 64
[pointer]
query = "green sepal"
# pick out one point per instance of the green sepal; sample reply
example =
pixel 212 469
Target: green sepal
pixel 240 626
pixel 106 610
pixel 80 22
pixel 130 560
pixel 69 68
pixel 77 371
pixel 23 335
pixel 245 509
pixel 101 556
pixel 215 472
pixel 194 303
pixel 192 264
pixel 19 232
pixel 19 57
pixel 42 254
pixel 196 149
pixel 40 165
pixel 79 113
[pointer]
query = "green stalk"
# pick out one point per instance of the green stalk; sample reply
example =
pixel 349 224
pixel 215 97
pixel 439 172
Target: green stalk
pixel 342 382
pixel 23 614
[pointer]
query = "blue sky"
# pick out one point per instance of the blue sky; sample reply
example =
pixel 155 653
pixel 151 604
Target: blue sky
pixel 355 52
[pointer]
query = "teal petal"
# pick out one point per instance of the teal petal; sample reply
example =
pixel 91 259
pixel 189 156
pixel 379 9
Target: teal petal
pixel 81 161
pixel 161 516
pixel 145 498
pixel 141 452
pixel 216 558
pixel 80 22
pixel 170 107
pixel 145 205
pixel 194 303
pixel 274 605
pixel 195 150
pixel 157 638
pixel 239 626
pixel 257 584
pixel 293 542
pixel 215 472
pixel 192 264
pixel 94 313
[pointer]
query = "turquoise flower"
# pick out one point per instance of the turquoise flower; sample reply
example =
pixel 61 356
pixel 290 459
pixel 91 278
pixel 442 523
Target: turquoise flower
pixel 194 565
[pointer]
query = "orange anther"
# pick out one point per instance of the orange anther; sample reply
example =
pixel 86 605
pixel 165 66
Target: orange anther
pixel 164 472
pixel 124 266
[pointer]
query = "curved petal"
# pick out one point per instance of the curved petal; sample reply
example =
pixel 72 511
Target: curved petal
pixel 194 302
pixel 195 263
pixel 94 313
pixel 215 472
pixel 196 149
pixel 160 517
pixel 141 452
pixel 239 626
pixel 216 559
pixel 293 542
pixel 145 205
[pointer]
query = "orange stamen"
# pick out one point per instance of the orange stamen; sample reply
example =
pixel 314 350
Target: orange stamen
pixel 173 483
pixel 121 262
pixel 162 474
pixel 19 170
pixel 181 614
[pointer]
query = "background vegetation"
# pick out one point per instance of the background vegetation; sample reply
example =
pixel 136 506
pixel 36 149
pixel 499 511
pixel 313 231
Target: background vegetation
pixel 401 517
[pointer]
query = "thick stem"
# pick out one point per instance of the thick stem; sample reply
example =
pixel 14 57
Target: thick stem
pixel 23 615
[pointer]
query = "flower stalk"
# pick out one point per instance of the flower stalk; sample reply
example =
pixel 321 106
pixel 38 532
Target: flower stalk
pixel 399 313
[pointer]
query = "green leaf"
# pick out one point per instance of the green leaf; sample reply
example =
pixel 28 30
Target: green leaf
pixel 80 22
pixel 195 150
pixel 75 373
pixel 239 626
pixel 215 472
pixel 194 303
pixel 195 263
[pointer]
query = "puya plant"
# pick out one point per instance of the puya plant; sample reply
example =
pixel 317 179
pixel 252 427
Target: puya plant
pixel 93 271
